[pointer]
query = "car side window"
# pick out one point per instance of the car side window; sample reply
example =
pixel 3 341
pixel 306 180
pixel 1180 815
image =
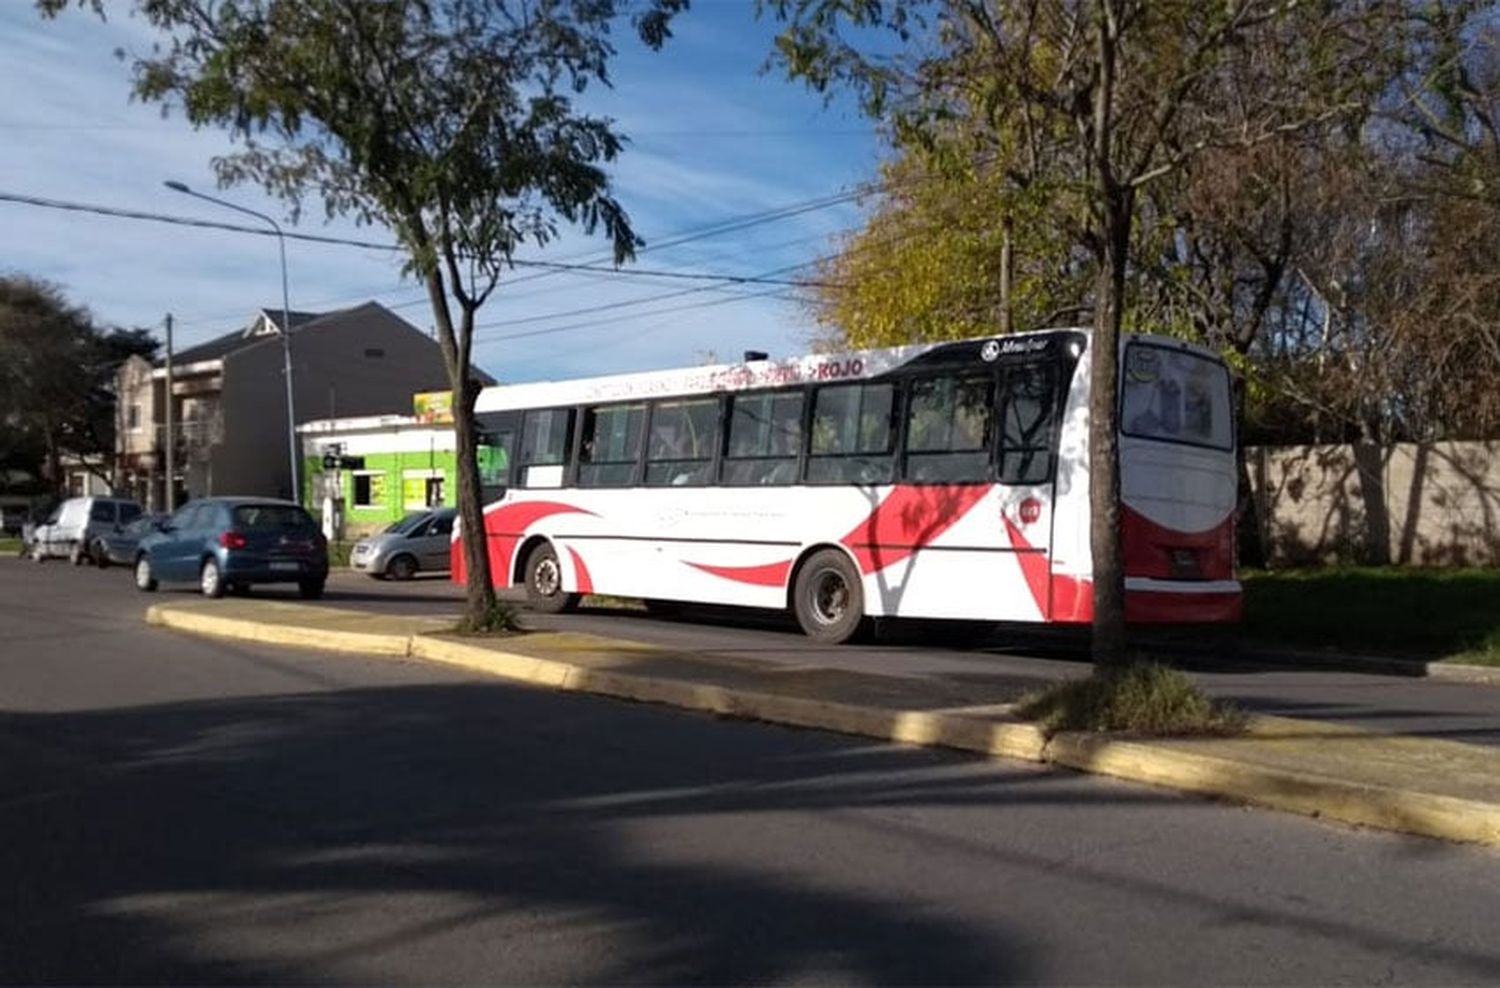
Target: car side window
pixel 102 511
pixel 421 531
pixel 442 526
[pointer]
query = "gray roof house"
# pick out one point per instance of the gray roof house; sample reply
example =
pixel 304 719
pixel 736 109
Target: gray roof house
pixel 229 399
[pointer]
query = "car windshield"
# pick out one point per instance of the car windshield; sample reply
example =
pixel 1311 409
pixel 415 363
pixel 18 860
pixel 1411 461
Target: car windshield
pixel 270 517
pixel 406 525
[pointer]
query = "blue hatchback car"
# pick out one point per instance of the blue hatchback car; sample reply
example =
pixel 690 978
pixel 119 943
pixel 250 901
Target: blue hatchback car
pixel 230 543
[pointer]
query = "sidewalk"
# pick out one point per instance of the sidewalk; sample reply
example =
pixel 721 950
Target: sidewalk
pixel 1412 785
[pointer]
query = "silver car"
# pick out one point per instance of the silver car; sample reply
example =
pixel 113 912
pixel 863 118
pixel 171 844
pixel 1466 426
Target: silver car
pixel 418 543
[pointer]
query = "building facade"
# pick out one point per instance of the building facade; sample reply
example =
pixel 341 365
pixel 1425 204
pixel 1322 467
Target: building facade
pixel 229 421
pixel 361 474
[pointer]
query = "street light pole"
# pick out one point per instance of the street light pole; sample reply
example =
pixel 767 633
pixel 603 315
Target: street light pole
pixel 286 325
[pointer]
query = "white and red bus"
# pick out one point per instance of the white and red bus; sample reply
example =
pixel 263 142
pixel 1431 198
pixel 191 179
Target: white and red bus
pixel 948 480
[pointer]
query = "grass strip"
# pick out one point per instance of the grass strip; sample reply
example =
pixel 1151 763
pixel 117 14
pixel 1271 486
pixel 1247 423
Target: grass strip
pixel 1144 698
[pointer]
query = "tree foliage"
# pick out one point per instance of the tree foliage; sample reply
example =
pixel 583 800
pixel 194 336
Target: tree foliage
pixel 57 371
pixel 1095 102
pixel 451 122
pixel 930 261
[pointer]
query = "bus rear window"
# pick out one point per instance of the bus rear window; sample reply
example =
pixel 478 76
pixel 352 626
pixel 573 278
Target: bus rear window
pixel 1175 396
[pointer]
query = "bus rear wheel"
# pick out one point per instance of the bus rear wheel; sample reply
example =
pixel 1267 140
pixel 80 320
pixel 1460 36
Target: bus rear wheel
pixel 544 592
pixel 829 598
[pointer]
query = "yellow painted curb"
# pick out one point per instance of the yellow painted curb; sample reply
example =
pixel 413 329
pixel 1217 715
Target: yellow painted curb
pixel 243 629
pixel 1308 793
pixel 904 726
pixel 1166 764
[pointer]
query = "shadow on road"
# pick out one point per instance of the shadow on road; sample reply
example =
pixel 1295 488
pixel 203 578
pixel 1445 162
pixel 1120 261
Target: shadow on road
pixel 266 815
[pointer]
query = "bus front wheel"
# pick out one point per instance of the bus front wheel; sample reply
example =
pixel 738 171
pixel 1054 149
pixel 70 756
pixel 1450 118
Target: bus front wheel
pixel 544 592
pixel 829 598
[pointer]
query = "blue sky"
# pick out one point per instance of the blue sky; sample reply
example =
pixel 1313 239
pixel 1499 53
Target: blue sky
pixel 712 138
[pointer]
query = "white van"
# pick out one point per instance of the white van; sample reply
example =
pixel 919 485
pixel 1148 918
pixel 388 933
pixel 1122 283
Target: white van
pixel 72 528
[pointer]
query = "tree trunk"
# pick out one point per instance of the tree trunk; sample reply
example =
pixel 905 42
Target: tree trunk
pixel 1104 432
pixel 1007 262
pixel 1113 212
pixel 479 588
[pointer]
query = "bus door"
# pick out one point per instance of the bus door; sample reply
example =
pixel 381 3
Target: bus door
pixel 1028 401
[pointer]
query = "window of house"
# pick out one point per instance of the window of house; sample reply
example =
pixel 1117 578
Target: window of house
pixel 948 429
pixel 369 489
pixel 544 447
pixel 611 445
pixel 765 439
pixel 133 417
pixel 853 431
pixel 420 487
pixel 1028 416
pixel 680 446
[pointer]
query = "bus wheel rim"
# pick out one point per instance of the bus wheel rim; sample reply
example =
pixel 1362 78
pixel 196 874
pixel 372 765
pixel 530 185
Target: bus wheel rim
pixel 547 578
pixel 830 597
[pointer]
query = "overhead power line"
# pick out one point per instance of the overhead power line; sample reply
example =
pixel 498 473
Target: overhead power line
pixel 549 266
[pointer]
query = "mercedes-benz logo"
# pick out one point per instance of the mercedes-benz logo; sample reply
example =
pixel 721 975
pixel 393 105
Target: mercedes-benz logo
pixel 991 351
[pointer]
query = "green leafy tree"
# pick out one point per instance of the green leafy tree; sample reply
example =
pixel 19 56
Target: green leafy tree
pixel 56 379
pixel 937 260
pixel 1105 98
pixel 450 122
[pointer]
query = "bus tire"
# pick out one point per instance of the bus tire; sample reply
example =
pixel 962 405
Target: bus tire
pixel 544 592
pixel 828 598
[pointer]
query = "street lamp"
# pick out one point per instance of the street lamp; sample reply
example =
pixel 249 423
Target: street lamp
pixel 286 325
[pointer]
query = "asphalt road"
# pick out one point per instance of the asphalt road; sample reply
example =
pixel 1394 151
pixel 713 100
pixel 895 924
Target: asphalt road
pixel 1010 655
pixel 182 810
pixel 1397 705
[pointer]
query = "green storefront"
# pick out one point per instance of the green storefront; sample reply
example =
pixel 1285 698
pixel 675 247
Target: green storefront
pixel 364 473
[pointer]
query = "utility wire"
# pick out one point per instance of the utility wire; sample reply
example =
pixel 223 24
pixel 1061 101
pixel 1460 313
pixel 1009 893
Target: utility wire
pixel 550 266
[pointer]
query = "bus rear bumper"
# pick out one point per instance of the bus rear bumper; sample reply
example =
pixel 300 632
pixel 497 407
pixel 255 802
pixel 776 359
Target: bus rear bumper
pixel 1150 601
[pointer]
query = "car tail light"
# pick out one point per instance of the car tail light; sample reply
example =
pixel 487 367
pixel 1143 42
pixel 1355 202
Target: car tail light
pixel 232 540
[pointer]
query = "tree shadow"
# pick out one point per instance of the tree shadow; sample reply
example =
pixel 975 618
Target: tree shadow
pixel 493 833
pixel 313 801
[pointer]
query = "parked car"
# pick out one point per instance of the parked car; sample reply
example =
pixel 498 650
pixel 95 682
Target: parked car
pixel 232 543
pixel 418 543
pixel 74 525
pixel 119 546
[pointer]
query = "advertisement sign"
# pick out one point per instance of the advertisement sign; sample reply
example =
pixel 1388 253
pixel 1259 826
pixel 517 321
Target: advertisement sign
pixel 433 407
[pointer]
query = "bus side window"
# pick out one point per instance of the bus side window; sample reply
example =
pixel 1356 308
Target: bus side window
pixel 949 429
pixel 493 456
pixel 853 432
pixel 1028 412
pixel 544 447
pixel 765 439
pixel 680 445
pixel 611 445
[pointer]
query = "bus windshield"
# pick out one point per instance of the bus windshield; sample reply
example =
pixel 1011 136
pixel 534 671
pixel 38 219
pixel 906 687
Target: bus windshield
pixel 1176 396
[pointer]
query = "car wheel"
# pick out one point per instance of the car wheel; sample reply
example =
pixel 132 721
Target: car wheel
pixel 210 580
pixel 310 589
pixel 829 598
pixel 544 592
pixel 77 555
pixel 38 555
pixel 99 555
pixel 145 580
pixel 403 567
